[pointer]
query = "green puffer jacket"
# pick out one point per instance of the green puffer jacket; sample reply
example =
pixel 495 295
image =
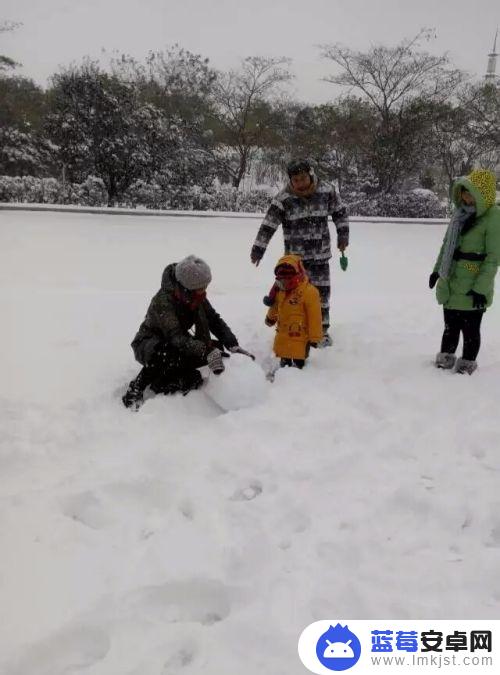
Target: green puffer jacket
pixel 483 237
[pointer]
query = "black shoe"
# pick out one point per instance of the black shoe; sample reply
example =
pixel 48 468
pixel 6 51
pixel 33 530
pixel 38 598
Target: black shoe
pixel 192 381
pixel 133 398
pixel 293 363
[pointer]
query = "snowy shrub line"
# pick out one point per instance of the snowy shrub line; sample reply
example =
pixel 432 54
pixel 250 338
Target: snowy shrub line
pixel 31 190
pixel 92 192
pixel 417 203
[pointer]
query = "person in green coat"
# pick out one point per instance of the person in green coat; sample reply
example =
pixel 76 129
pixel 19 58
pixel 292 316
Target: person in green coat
pixel 466 267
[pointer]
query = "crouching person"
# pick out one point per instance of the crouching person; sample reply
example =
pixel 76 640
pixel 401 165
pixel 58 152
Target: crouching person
pixel 169 353
pixel 296 311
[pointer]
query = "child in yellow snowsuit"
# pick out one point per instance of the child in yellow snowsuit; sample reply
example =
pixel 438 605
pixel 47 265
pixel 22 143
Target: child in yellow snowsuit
pixel 296 310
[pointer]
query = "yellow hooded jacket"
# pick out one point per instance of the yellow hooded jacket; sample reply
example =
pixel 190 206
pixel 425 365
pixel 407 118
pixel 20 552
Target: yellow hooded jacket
pixel 297 314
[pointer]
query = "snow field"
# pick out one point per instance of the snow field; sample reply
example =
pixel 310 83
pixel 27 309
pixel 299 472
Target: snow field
pixel 185 540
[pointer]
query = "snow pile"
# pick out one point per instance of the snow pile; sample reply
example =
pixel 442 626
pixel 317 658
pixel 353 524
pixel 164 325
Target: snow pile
pixel 242 385
pixel 180 539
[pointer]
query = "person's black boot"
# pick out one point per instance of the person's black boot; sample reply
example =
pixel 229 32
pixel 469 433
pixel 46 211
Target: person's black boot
pixel 191 380
pixel 134 396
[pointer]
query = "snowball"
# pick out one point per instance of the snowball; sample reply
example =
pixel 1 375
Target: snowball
pixel 241 385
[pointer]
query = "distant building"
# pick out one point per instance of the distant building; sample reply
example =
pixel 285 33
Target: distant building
pixel 491 76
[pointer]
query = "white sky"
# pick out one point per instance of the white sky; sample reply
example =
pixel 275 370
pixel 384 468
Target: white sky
pixel 57 32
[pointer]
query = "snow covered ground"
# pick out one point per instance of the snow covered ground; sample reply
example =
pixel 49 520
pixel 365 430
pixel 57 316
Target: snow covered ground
pixel 183 540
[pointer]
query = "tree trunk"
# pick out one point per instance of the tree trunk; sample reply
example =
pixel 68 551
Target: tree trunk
pixel 241 169
pixel 112 192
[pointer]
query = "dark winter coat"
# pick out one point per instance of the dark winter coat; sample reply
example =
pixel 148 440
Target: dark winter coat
pixel 168 321
pixel 305 223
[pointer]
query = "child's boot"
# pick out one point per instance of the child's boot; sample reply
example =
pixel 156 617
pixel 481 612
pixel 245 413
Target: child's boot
pixel 465 366
pixel 445 361
pixel 326 341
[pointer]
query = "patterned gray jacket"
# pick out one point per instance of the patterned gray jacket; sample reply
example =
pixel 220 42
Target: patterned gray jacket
pixel 305 223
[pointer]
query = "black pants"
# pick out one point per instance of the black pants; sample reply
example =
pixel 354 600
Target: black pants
pixel 298 363
pixel 168 371
pixel 467 322
pixel 319 276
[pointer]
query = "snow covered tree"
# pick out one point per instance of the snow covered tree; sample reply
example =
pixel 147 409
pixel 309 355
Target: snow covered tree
pixel 23 103
pixel 400 83
pixel 335 136
pixel 175 80
pixel 22 151
pixel 466 132
pixel 180 84
pixel 6 63
pixel 245 118
pixel 99 127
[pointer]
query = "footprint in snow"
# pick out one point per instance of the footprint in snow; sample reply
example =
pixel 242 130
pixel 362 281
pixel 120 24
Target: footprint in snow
pixel 494 539
pixel 70 650
pixel 86 509
pixel 202 601
pixel 248 493
pixel 180 659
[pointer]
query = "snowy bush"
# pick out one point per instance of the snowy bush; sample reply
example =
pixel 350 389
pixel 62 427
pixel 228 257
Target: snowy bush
pixel 226 198
pixel 418 203
pixel 360 204
pixel 141 193
pixel 92 192
pixel 195 197
pixel 52 191
pixel 11 189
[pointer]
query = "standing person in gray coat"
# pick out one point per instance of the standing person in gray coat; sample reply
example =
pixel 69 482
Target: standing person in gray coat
pixel 303 208
pixel 169 353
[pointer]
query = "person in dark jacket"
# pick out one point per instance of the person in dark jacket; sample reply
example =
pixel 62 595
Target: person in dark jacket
pixel 169 353
pixel 303 208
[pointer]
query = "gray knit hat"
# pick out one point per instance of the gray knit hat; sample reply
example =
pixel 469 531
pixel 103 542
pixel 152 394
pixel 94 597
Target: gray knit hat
pixel 193 273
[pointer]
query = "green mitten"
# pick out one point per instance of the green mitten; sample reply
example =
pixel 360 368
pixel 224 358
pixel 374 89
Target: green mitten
pixel 344 261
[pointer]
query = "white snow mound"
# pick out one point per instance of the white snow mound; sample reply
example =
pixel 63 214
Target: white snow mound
pixel 241 385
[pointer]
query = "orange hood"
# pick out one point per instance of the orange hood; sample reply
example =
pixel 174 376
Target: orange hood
pixel 294 261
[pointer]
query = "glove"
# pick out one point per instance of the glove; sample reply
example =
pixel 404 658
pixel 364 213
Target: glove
pixel 478 300
pixel 269 299
pixel 433 279
pixel 239 350
pixel 214 361
pixel 269 322
pixel 256 255
pixel 314 345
